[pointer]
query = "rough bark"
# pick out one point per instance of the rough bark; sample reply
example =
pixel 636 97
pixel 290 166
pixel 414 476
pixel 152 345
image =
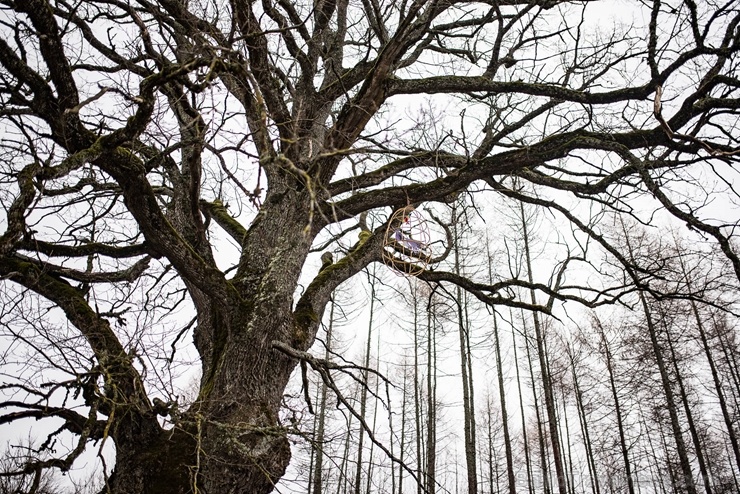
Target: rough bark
pixel 114 188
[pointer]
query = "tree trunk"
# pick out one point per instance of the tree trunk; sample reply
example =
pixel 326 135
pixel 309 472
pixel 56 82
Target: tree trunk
pixel 420 475
pixel 504 414
pixel 431 470
pixel 730 363
pixel 402 452
pixel 243 375
pixel 546 383
pixel 538 416
pixel 688 477
pixel 525 439
pixel 343 467
pixel 465 368
pixel 492 459
pixel 590 460
pixel 689 414
pixel 364 384
pixel 652 454
pixel 321 418
pixel 569 456
pixel 617 409
pixel 230 440
pixel 370 463
pixel 717 386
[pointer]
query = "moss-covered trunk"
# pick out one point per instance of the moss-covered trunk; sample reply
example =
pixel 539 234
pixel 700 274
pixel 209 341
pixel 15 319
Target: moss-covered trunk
pixel 231 440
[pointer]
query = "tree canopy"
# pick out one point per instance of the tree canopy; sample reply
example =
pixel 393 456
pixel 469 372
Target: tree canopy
pixel 169 169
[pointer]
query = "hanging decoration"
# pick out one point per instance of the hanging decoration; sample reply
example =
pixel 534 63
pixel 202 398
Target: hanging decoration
pixel 406 249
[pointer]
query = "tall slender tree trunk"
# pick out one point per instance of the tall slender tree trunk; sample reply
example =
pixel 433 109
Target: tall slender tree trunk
pixel 370 462
pixel 504 416
pixel 582 416
pixel 431 470
pixel 471 387
pixel 343 482
pixel 314 446
pixel 689 415
pixel 654 467
pixel 547 384
pixel 319 440
pixel 525 439
pixel 688 477
pixel 676 484
pixel 713 369
pixel 540 426
pixel 492 459
pixel 402 452
pixel 569 457
pixel 467 378
pixel 417 401
pixel 363 394
pixel 729 362
pixel 468 408
pixel 734 475
pixel 617 410
pixel 501 386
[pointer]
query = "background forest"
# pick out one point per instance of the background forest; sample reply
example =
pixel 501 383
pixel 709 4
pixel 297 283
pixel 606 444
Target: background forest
pixel 200 244
pixel 636 396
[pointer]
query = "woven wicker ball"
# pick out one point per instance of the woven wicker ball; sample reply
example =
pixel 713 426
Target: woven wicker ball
pixel 406 249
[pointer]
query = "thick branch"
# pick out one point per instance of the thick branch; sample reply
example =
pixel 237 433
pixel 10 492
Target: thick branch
pixel 481 84
pixel 130 274
pixel 311 305
pixel 485 292
pixel 73 421
pixel 218 212
pixel 125 382
pixel 84 250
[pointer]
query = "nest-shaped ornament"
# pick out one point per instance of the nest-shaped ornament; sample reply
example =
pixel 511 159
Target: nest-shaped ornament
pixel 406 249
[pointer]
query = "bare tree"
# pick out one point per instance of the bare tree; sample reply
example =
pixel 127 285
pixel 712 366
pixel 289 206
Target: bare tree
pixel 317 486
pixel 618 414
pixel 510 475
pixel 168 168
pixel 686 478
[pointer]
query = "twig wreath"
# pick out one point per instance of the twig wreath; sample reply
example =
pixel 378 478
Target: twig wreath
pixel 407 249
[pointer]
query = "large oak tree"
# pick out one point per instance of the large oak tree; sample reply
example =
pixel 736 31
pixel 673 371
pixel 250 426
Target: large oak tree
pixel 138 137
